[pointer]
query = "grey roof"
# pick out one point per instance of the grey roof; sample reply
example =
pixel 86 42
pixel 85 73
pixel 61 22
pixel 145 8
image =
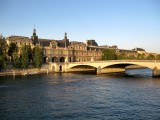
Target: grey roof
pixel 45 42
pixel 75 42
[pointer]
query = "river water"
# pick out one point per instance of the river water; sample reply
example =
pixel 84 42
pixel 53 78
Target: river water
pixel 69 96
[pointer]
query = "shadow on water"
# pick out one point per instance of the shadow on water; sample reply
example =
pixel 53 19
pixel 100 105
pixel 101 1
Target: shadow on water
pixel 85 72
pixel 143 72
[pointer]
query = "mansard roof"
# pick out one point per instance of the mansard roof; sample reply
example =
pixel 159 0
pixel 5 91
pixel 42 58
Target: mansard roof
pixel 138 49
pixel 13 38
pixel 61 43
pixel 45 42
pixel 75 43
pixel 124 50
pixel 18 37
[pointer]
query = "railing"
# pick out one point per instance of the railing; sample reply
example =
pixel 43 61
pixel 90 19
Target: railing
pixel 155 61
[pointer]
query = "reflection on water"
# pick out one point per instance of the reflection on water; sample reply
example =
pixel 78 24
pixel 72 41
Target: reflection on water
pixel 78 96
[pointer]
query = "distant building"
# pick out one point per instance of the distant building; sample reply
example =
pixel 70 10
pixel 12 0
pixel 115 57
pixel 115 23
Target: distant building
pixel 91 43
pixel 140 50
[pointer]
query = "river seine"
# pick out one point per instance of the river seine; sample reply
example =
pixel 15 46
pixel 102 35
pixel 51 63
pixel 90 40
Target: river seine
pixel 69 96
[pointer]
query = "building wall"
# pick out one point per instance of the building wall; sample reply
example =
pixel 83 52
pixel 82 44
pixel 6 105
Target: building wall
pixel 58 51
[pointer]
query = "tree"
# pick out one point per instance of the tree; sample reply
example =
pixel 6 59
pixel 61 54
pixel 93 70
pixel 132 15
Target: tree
pixel 24 56
pixel 121 56
pixel 158 57
pixel 12 49
pixel 16 62
pixel 131 57
pixel 141 56
pixel 30 53
pixel 2 62
pixel 3 46
pixel 151 57
pixel 37 57
pixel 109 54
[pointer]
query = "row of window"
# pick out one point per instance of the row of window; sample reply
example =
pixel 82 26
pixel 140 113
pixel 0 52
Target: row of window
pixel 79 59
pixel 21 43
pixel 90 53
pixel 76 53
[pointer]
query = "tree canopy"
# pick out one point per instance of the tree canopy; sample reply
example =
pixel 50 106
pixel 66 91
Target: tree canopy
pixel 3 47
pixel 37 56
pixel 12 49
pixel 109 54
pixel 24 57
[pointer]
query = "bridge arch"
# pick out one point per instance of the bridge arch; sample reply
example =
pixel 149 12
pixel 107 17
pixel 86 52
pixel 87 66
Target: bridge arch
pixel 81 65
pixel 83 69
pixel 124 65
pixel 76 66
pixel 120 67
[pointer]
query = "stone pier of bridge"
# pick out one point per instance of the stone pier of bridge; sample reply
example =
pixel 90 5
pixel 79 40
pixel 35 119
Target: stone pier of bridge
pixel 156 72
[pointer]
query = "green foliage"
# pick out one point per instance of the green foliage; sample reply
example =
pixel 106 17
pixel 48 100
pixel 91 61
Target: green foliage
pixel 158 57
pixel 131 57
pixel 12 49
pixel 37 57
pixel 30 52
pixel 151 57
pixel 3 46
pixel 109 54
pixel 141 56
pixel 24 57
pixel 16 62
pixel 121 56
pixel 2 62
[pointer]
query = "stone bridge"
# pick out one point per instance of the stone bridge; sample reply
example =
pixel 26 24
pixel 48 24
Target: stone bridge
pixel 106 66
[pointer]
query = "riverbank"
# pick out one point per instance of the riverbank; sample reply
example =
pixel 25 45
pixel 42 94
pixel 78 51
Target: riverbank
pixel 15 72
pixel 18 72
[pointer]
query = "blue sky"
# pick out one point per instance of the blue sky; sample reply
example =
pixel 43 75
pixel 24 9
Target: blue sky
pixel 125 23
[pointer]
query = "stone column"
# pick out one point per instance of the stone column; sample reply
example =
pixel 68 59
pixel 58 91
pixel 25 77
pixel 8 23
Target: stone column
pixel 155 72
pixel 66 67
pixel 92 59
pixel 98 70
pixel 57 67
pixel 66 59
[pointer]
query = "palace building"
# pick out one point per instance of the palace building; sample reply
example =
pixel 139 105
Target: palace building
pixel 68 51
pixel 60 50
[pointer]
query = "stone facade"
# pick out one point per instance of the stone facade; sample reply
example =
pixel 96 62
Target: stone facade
pixel 64 50
pixel 59 50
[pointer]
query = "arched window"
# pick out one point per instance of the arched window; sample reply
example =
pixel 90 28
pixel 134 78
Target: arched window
pixel 60 68
pixel 54 59
pixel 62 59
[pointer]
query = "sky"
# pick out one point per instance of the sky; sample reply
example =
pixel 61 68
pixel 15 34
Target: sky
pixel 125 23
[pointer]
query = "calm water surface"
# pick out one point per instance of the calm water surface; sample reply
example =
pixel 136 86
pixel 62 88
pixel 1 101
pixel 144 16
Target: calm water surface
pixel 80 97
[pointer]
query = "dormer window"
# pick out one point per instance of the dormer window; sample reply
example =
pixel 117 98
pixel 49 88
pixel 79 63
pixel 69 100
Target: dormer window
pixel 53 46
